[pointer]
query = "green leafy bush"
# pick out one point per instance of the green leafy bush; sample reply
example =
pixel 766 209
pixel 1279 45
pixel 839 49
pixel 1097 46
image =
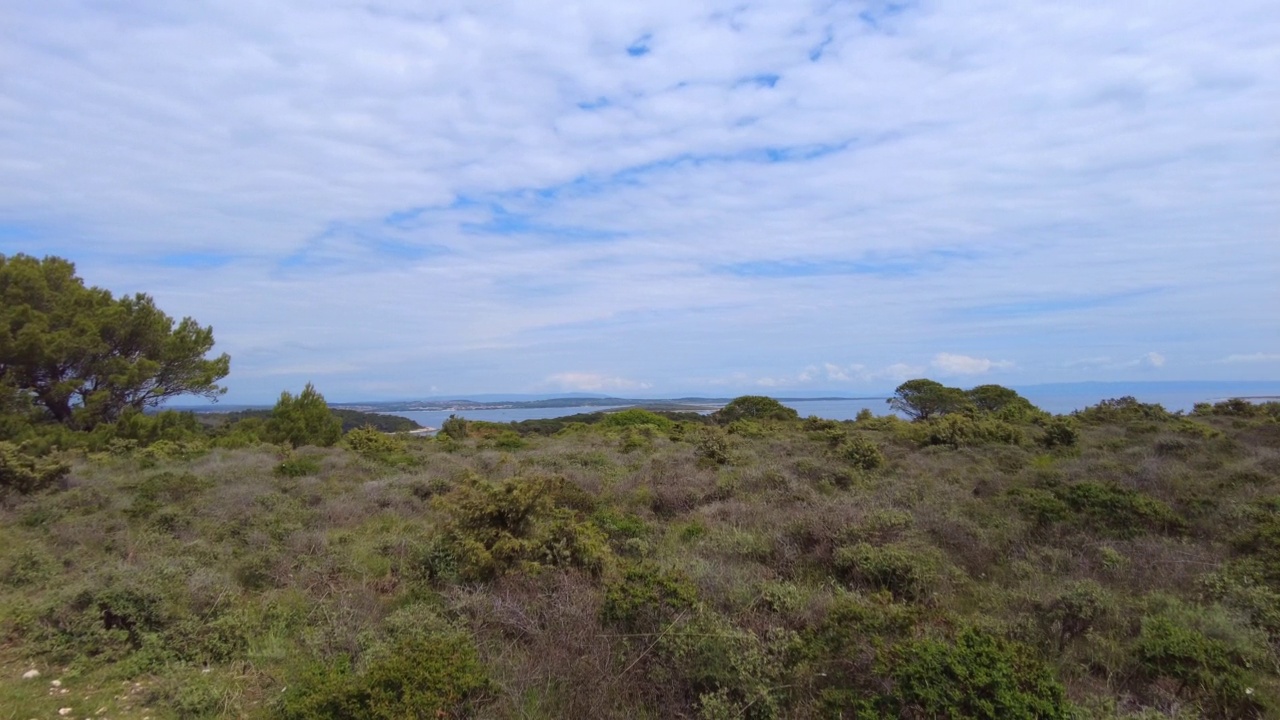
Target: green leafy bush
pixel 426 672
pixel 1106 508
pixel 494 527
pixel 636 417
pixel 508 440
pixel 860 452
pixel 303 420
pixel 908 572
pixel 712 445
pixel 1119 511
pixel 294 466
pixel 373 443
pixel 156 491
pixel 645 597
pixel 975 675
pixel 1259 541
pixel 454 428
pixel 1074 612
pixel 754 407
pixel 730 671
pixel 1060 432
pixel 23 473
pixel 958 430
pixel 1123 410
pixel 1207 655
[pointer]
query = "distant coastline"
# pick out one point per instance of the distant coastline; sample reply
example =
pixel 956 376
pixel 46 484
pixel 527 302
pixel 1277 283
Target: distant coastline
pixel 1054 397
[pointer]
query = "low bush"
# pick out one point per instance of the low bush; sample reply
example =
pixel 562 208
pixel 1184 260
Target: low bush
pixel 860 453
pixel 636 417
pixel 373 443
pixel 493 527
pixel 1208 656
pixel 909 572
pixel 1123 410
pixel 294 466
pixel 424 672
pixel 958 430
pixel 972 675
pixel 754 407
pixel 1059 432
pixel 21 472
pixel 727 672
pixel 645 597
pixel 712 445
pixel 1104 508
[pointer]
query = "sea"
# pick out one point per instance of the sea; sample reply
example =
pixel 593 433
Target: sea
pixel 1056 398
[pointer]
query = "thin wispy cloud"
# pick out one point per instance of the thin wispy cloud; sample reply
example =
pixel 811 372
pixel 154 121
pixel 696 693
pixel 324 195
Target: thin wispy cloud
pixel 676 195
pixel 951 364
pixel 1273 358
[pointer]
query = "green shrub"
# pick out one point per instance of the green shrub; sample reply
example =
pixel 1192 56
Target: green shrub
pixel 815 424
pixel 303 420
pixel 712 445
pixel 872 664
pixel 645 597
pixel 754 407
pixel 860 452
pixel 1060 432
pixel 424 673
pixel 494 527
pixel 730 671
pixel 1123 410
pixel 637 438
pixel 294 466
pixel 974 675
pixel 636 417
pixel 619 525
pixel 1104 508
pixel 147 428
pixel 454 428
pixel 908 572
pixel 508 440
pixel 28 565
pixel 1175 643
pixel 1236 408
pixel 1241 586
pixel 167 450
pixel 749 429
pixel 958 430
pixel 1259 541
pixel 373 443
pixel 1119 511
pixel 23 473
pixel 1074 612
pixel 153 492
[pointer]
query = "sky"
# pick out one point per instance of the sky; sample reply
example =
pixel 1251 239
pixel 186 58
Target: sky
pixel 406 199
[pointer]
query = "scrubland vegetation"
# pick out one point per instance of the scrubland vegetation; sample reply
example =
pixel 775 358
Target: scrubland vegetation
pixel 985 560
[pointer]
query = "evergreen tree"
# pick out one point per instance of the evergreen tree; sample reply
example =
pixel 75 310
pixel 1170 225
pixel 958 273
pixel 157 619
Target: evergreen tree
pixel 304 420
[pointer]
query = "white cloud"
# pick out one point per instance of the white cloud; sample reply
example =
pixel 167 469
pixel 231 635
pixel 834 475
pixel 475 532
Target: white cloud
pixel 952 364
pixel 1257 357
pixel 591 382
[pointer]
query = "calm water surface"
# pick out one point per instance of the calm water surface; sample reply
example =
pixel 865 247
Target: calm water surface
pixel 1050 398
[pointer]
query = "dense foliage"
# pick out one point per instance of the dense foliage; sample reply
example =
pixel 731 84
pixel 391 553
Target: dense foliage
pixel 990 561
pixel 81 357
pixel 303 419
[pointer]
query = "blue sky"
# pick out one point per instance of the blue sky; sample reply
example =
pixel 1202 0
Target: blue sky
pixel 398 199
